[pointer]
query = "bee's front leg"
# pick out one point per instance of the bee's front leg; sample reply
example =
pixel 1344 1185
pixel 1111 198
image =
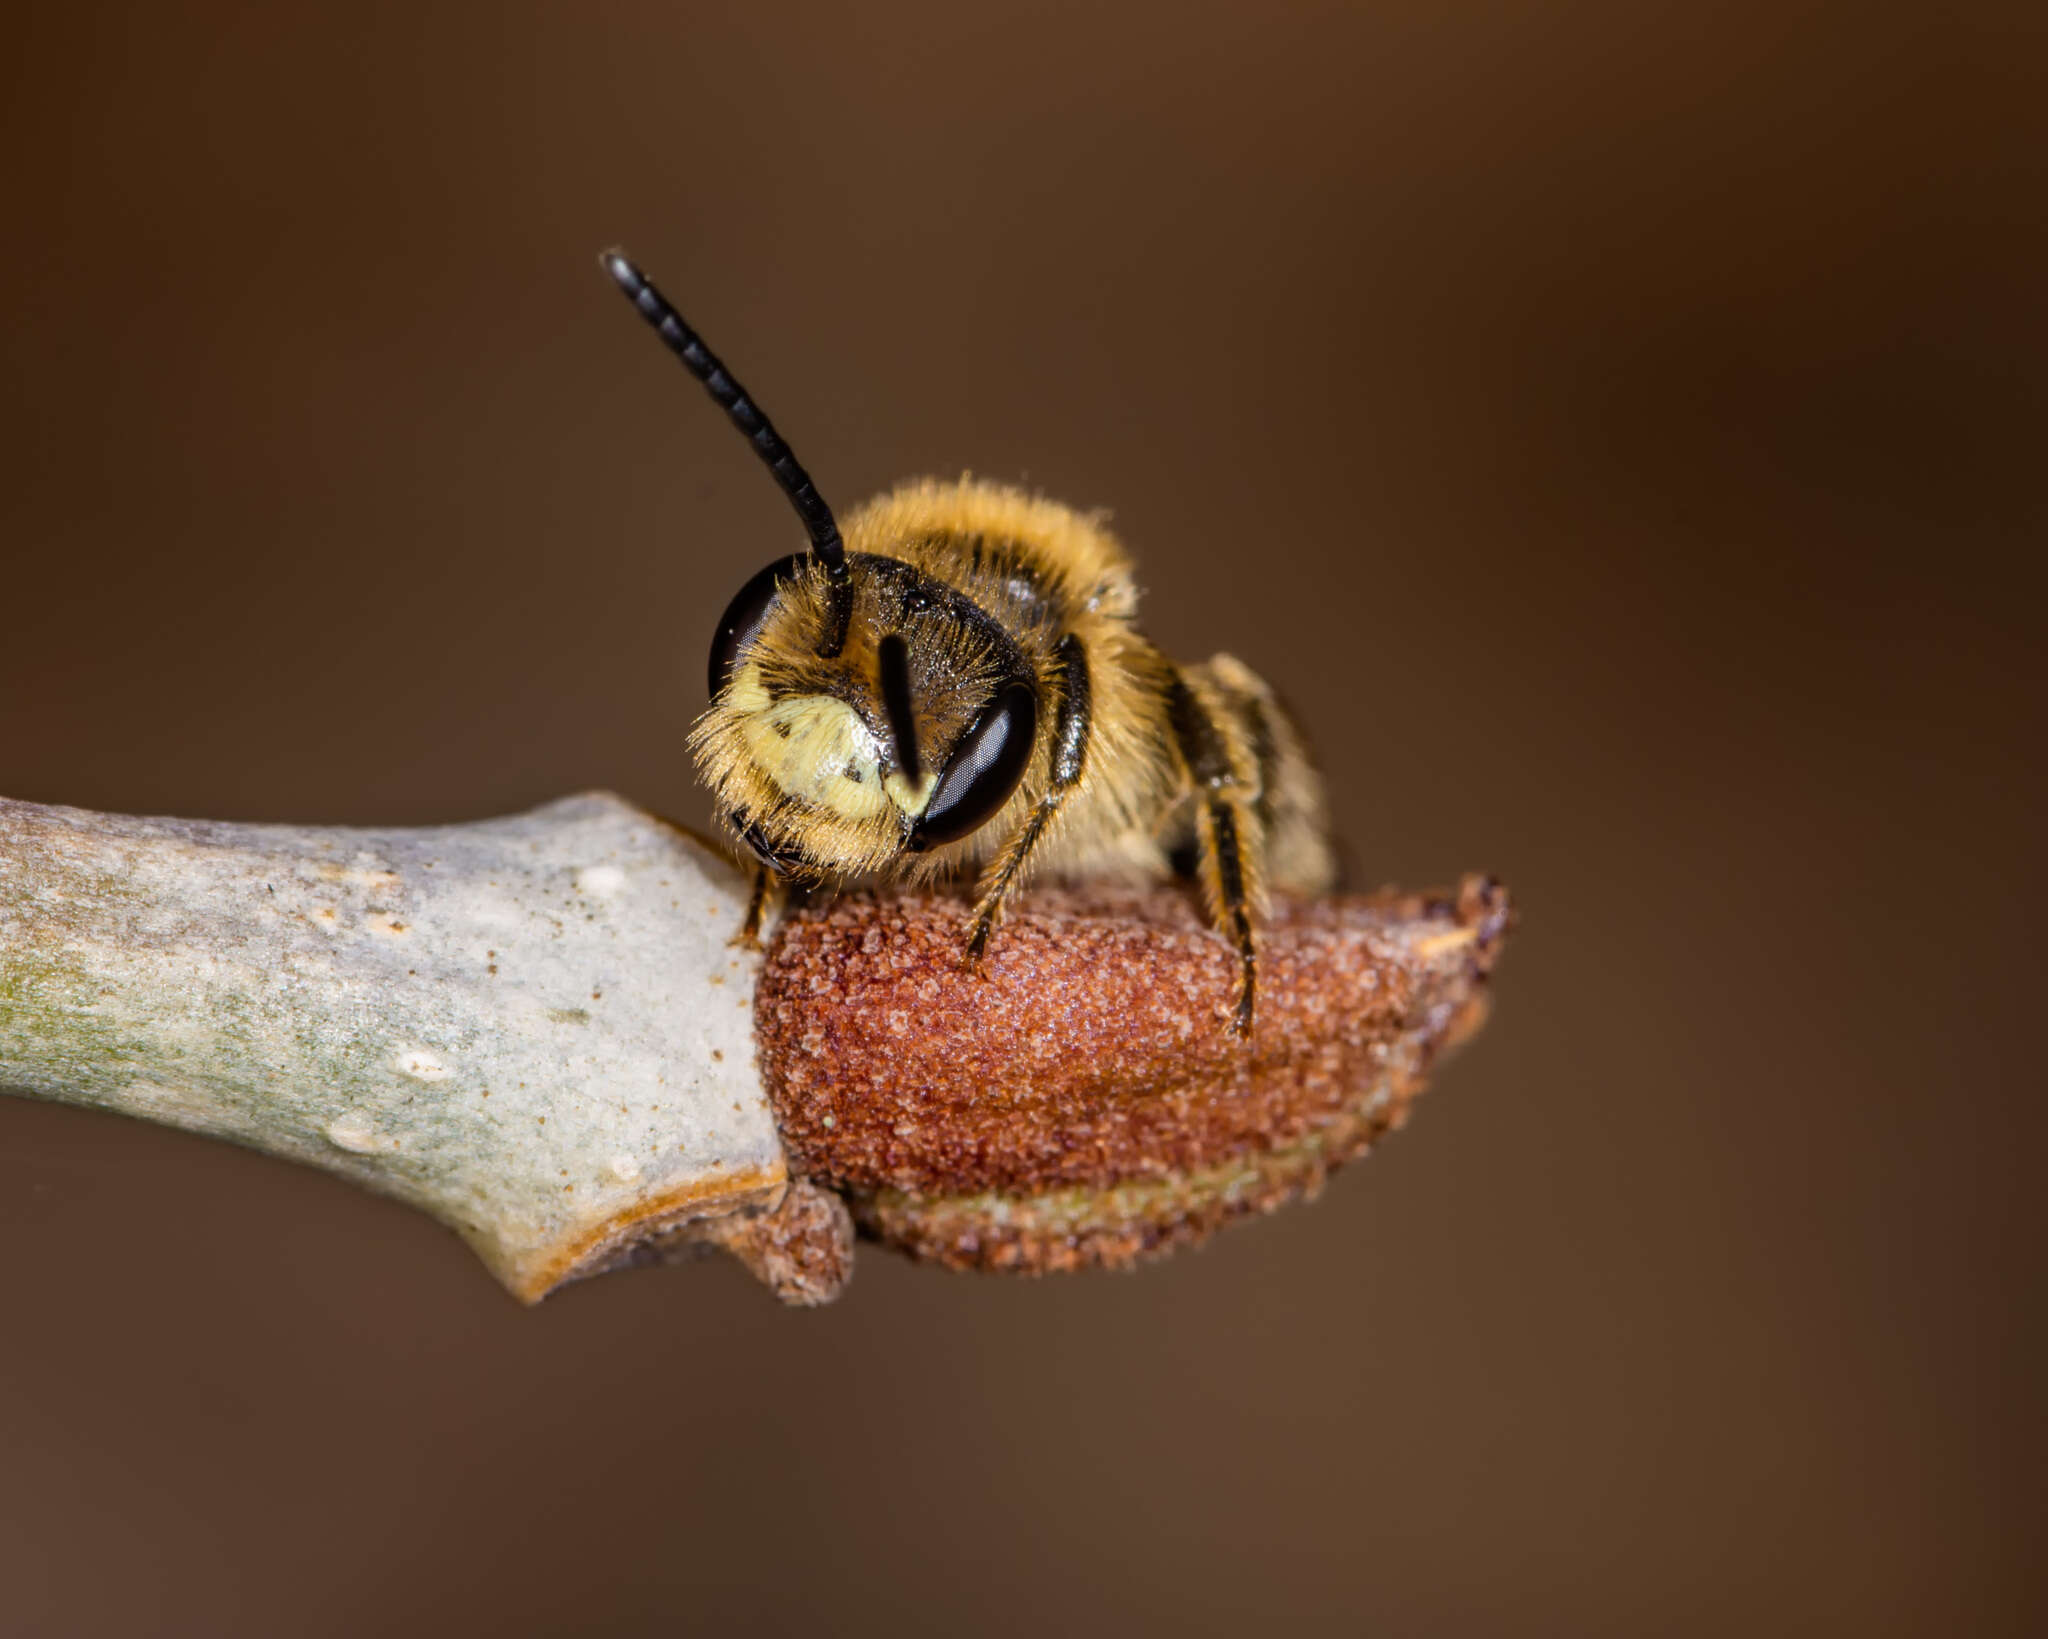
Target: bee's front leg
pixel 749 936
pixel 1069 756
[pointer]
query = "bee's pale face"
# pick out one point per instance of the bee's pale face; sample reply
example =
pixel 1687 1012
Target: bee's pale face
pixel 820 751
pixel 806 744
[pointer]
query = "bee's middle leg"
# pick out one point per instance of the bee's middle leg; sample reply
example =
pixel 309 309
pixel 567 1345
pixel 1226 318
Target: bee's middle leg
pixel 1223 854
pixel 1227 836
pixel 1069 757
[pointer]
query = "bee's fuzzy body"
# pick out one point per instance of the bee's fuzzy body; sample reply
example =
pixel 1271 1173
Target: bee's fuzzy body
pixel 956 685
pixel 797 748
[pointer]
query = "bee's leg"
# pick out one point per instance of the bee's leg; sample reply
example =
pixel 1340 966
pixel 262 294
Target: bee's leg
pixel 1223 857
pixel 1225 830
pixel 749 936
pixel 1069 756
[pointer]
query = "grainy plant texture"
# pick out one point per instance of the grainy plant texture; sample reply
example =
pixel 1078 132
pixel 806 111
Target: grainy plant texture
pixel 540 1031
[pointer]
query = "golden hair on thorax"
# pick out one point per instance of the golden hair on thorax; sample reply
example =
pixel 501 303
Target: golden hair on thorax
pixel 955 686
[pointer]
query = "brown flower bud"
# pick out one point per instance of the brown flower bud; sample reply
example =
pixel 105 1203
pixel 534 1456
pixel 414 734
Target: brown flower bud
pixel 1077 1100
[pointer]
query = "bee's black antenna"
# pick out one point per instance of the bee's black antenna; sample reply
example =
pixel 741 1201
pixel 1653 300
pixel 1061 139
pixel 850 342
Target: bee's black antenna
pixel 895 659
pixel 702 363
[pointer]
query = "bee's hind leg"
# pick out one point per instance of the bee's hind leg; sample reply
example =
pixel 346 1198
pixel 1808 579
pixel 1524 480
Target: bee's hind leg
pixel 1069 757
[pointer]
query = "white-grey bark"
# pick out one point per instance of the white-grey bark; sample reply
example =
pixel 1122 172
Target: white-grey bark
pixel 535 1028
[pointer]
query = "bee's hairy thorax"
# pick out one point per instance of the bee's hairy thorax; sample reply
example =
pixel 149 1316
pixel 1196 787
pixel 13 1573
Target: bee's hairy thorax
pixel 955 681
pixel 984 587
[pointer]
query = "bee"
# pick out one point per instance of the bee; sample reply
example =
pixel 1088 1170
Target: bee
pixel 956 685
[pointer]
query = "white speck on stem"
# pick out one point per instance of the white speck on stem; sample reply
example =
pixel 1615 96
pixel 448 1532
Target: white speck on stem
pixel 625 1168
pixel 417 1061
pixel 353 1131
pixel 600 881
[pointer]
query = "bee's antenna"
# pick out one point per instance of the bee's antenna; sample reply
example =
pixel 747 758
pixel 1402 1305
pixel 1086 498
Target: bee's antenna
pixel 702 363
pixel 895 658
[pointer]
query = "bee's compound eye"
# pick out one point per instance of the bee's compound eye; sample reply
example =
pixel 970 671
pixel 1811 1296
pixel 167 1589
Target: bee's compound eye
pixel 744 617
pixel 983 770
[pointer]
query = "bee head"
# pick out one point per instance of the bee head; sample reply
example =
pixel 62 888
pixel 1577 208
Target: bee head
pixel 860 708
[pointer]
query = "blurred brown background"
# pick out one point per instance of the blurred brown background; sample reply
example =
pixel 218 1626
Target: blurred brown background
pixel 1618 432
